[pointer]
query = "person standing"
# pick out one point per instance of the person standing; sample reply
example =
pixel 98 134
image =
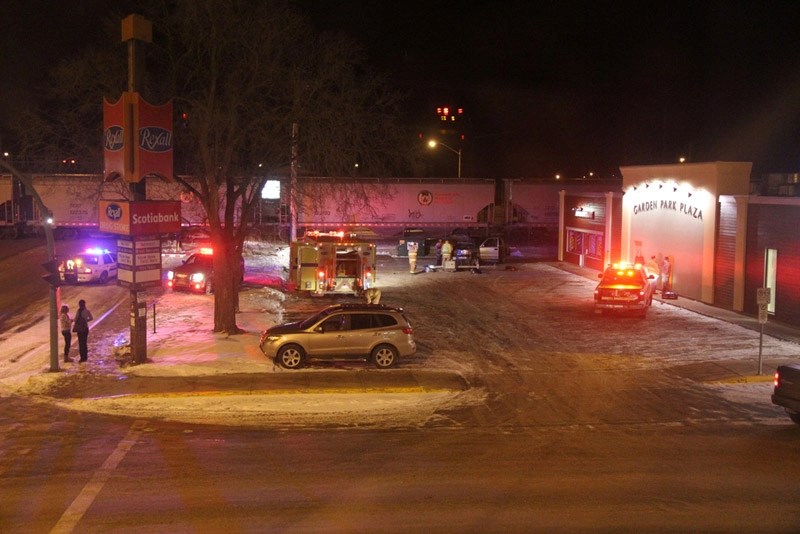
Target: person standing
pixel 66 330
pixel 81 327
pixel 413 248
pixel 447 251
pixel 666 271
pixel 438 249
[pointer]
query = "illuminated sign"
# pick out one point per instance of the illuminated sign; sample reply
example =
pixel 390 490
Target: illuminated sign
pixel 147 217
pixel 669 205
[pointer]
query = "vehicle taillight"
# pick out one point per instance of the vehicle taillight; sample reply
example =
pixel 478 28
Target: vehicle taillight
pixel 777 380
pixel 408 330
pixel 321 273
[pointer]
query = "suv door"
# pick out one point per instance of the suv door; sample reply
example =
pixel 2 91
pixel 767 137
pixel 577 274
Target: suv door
pixel 370 329
pixel 490 250
pixel 331 337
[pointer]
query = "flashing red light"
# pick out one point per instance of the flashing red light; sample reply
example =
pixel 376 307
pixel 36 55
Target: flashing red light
pixel 321 274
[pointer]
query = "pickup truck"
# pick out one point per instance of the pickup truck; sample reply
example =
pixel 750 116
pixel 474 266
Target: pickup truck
pixel 787 390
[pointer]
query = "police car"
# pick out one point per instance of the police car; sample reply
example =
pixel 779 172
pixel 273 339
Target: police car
pixel 92 265
pixel 624 287
pixel 197 273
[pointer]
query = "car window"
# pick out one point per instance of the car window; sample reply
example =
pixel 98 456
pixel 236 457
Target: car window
pixel 107 259
pixel 383 320
pixel 90 259
pixel 360 321
pixel 335 323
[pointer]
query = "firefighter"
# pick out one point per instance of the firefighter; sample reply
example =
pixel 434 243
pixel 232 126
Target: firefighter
pixel 373 295
pixel 413 247
pixel 447 251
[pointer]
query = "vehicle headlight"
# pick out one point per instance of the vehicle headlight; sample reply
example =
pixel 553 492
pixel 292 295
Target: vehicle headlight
pixel 170 275
pixel 197 277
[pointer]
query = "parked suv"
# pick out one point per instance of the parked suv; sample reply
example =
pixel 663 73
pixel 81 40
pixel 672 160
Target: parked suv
pixel 381 334
pixel 623 288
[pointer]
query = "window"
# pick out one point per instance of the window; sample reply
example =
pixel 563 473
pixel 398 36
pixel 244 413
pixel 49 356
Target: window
pixel 361 321
pixel 337 322
pixel 382 320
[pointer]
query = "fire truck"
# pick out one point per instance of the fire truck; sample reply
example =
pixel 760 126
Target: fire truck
pixel 331 263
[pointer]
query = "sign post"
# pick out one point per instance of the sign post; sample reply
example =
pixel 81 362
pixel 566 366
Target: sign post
pixel 139 225
pixel 763 298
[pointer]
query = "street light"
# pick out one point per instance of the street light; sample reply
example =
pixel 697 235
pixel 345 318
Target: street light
pixel 432 143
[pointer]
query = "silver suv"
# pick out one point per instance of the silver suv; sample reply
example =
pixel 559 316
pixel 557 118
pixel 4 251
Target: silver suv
pixel 379 333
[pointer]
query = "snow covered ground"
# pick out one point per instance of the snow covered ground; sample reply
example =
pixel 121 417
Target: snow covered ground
pixel 184 345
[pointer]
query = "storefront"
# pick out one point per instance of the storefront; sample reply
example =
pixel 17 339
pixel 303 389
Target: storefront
pixel 672 211
pixel 589 230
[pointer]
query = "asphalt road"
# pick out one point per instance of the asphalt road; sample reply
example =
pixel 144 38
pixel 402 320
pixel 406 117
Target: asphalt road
pixel 584 423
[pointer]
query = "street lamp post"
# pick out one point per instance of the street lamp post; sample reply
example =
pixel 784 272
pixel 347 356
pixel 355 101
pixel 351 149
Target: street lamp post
pixel 433 144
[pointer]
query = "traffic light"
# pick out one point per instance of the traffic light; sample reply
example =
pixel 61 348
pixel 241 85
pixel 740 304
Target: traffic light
pixel 53 277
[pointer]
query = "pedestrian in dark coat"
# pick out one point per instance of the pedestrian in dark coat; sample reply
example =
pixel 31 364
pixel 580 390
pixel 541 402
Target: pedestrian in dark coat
pixel 81 327
pixel 66 330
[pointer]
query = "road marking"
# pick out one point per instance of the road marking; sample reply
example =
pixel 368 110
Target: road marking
pixel 106 314
pixel 70 518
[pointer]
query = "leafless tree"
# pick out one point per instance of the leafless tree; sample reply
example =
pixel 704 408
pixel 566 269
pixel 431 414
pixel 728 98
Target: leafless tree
pixel 242 72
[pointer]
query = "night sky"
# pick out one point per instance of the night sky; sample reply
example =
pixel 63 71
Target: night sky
pixel 546 87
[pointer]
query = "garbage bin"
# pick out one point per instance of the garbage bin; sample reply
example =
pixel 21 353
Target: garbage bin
pixel 402 249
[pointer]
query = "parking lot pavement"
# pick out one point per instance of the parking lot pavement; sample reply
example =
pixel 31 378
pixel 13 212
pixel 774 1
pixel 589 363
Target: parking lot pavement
pixel 407 380
pixel 728 371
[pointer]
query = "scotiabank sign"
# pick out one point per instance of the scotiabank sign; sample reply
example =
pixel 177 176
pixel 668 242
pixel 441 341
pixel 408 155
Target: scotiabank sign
pixel 145 217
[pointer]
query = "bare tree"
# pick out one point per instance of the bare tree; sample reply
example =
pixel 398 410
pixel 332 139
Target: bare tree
pixel 244 72
pixel 241 72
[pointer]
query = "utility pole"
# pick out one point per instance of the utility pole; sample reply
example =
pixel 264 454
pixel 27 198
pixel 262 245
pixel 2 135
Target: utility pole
pixel 293 187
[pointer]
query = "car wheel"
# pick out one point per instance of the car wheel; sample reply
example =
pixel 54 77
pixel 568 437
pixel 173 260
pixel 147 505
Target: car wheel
pixel 104 277
pixel 794 416
pixel 291 356
pixel 384 356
